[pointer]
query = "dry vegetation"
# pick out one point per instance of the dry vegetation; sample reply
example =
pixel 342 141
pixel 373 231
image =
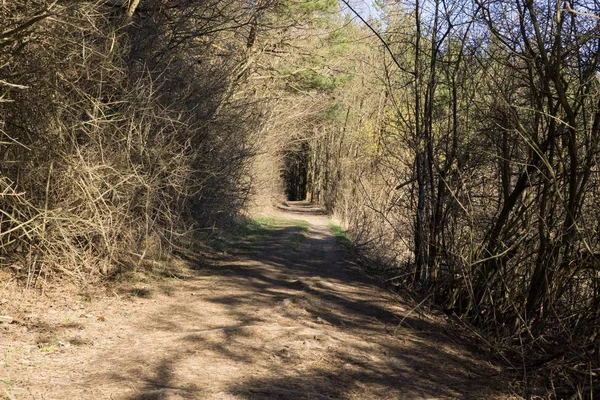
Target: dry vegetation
pixel 457 141
pixel 119 137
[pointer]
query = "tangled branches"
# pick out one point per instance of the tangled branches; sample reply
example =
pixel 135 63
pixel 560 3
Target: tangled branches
pixel 115 143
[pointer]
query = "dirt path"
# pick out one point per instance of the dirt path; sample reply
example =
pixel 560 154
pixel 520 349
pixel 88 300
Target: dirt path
pixel 280 319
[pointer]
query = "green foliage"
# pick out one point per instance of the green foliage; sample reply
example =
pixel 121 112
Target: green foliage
pixel 317 49
pixel 338 43
pixel 247 233
pixel 340 234
pixel 333 112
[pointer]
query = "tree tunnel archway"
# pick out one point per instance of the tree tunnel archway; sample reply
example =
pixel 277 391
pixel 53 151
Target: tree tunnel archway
pixel 295 173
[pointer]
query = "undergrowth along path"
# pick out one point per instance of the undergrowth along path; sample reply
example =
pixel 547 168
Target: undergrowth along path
pixel 283 314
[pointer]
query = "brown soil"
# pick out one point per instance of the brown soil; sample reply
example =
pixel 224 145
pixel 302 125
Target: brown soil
pixel 277 319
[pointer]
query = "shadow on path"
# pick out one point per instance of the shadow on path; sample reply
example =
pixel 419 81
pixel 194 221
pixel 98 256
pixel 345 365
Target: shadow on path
pixel 283 318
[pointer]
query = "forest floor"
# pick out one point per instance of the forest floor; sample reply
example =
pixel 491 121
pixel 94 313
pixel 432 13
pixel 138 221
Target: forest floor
pixel 280 312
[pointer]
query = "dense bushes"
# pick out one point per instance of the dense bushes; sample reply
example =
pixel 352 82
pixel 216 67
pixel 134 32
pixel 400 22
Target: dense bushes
pixel 117 139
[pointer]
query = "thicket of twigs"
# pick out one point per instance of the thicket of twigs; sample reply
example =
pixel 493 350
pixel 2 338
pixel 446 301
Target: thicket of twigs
pixel 463 154
pixel 121 130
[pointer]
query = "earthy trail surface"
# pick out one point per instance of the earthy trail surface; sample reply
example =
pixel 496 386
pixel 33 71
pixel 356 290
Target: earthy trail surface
pixel 285 315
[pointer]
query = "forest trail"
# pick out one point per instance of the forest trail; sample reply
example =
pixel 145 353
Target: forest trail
pixel 286 316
